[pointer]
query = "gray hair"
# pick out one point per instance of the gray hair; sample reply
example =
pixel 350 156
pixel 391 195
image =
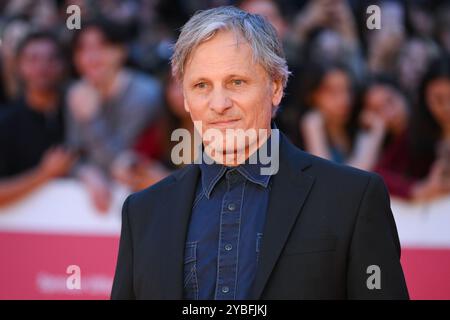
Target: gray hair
pixel 256 30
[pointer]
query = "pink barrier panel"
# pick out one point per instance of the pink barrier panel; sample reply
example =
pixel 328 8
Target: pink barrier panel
pixel 34 265
pixel 427 273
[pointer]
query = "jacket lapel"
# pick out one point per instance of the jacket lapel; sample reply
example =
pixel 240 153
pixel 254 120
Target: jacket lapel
pixel 289 190
pixel 175 221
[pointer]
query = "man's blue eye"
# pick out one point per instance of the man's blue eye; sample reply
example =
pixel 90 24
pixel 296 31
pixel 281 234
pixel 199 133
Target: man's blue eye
pixel 238 82
pixel 201 85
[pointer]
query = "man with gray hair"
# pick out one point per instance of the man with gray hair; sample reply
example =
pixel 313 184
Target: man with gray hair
pixel 221 228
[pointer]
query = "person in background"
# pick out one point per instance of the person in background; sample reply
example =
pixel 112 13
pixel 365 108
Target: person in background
pixel 412 63
pixel 325 30
pixel 384 99
pixel 328 14
pixel 109 106
pixel 329 125
pixel 32 131
pixel 12 34
pixel 270 10
pixel 174 117
pixel 384 44
pixel 443 27
pixel 151 160
pixel 421 170
pixel 41 14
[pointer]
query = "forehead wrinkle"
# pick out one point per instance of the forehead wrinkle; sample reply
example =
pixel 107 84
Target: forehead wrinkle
pixel 207 68
pixel 229 66
pixel 236 42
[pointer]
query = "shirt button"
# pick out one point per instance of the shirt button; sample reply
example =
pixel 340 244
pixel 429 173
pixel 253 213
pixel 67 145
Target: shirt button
pixel 231 206
pixel 225 289
pixel 228 247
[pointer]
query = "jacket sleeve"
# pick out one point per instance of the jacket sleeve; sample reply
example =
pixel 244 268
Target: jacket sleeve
pixel 374 270
pixel 122 288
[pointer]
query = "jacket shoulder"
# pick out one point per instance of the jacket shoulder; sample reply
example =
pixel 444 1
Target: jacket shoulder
pixel 322 168
pixel 343 175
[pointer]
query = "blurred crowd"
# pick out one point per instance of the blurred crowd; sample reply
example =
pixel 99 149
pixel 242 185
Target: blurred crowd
pixel 99 103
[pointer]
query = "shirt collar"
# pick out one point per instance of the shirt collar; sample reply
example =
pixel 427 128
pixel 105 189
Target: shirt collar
pixel 212 173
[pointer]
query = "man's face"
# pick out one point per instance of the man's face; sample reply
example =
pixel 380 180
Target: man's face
pixel 40 65
pixel 224 89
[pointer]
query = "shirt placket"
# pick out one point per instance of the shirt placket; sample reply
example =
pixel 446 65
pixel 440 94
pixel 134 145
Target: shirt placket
pixel 230 223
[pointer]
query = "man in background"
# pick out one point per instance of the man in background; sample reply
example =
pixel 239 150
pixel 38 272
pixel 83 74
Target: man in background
pixel 32 130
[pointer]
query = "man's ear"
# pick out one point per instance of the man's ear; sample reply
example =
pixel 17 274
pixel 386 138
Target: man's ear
pixel 277 92
pixel 186 105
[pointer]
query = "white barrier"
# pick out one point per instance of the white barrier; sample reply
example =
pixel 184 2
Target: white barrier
pixel 63 206
pixel 425 225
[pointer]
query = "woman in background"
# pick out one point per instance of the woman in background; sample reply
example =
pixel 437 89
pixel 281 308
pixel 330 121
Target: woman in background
pixel 329 125
pixel 151 160
pixel 420 169
pixel 384 98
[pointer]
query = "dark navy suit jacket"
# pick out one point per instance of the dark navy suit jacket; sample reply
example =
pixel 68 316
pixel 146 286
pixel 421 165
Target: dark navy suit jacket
pixel 327 226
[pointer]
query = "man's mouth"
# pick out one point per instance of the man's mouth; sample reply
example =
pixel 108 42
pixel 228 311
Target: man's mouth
pixel 223 123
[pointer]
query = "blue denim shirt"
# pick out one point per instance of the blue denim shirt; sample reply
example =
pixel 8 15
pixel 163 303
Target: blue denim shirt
pixel 225 232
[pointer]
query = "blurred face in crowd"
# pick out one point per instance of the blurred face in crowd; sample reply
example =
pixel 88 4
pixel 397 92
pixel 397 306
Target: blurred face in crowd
pixel 413 62
pixel 95 58
pixel 328 44
pixel 389 104
pixel 269 10
pixel 13 33
pixel 421 19
pixel 437 97
pixel 225 89
pixel 333 97
pixel 41 65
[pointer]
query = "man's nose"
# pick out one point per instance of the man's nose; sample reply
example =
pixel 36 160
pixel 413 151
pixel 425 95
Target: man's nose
pixel 219 101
